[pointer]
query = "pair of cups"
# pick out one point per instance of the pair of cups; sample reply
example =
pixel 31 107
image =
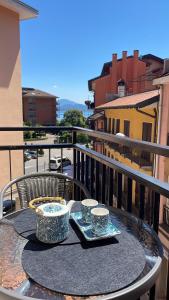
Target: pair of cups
pixel 95 214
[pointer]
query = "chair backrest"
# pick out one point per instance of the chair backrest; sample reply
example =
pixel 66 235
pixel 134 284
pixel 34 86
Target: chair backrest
pixel 43 184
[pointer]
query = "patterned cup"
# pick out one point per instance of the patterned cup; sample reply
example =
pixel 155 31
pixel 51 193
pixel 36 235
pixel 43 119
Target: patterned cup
pixel 100 220
pixel 87 205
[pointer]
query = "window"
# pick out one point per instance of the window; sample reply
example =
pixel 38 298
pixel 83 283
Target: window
pixel 113 125
pixel 146 136
pixel 147 132
pixel 102 125
pixel 127 128
pixel 31 100
pixel 109 129
pixel 126 150
pixel 117 126
pixel 107 125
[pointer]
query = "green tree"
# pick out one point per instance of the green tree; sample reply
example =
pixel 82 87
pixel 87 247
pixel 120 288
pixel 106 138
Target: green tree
pixel 27 135
pixel 73 117
pixel 34 135
pixel 28 123
pixel 82 138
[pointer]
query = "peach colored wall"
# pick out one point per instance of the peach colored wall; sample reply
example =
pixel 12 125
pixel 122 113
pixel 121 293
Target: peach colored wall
pixel 10 91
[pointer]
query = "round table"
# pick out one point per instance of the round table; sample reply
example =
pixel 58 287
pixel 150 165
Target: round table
pixel 14 283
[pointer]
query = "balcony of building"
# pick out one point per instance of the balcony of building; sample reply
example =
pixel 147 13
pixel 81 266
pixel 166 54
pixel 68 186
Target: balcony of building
pixel 135 198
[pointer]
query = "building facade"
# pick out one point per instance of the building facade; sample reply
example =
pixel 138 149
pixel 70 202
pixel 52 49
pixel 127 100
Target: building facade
pixel 39 107
pixel 120 78
pixel 11 13
pixel 125 76
pixel 134 117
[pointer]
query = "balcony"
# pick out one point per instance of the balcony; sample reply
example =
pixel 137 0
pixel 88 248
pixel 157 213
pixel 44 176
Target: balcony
pixel 133 195
pixel 141 158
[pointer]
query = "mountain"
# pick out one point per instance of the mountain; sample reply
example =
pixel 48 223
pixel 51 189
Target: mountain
pixel 66 104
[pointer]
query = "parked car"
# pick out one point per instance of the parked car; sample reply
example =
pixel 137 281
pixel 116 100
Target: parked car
pixel 27 156
pixel 55 162
pixel 33 154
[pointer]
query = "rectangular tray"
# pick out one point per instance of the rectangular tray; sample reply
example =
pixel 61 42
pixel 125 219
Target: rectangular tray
pixel 86 229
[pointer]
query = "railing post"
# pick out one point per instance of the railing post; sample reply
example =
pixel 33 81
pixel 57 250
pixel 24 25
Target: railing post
pixel 119 190
pixel 74 137
pixel 97 177
pixel 74 153
pixel 87 172
pixel 78 194
pixel 156 211
pixel 74 172
pixel 103 183
pixel 129 195
pixel 141 201
pixel 92 179
pixel 49 159
pixel 111 186
pixel 37 164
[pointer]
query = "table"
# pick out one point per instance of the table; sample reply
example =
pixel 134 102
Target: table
pixel 15 284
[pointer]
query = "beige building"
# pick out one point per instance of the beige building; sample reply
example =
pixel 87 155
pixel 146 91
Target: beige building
pixel 11 13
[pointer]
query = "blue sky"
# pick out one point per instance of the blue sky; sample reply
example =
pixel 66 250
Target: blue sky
pixel 71 39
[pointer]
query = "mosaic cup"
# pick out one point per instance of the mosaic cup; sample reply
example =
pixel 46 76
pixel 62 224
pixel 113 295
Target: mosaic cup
pixel 86 206
pixel 99 220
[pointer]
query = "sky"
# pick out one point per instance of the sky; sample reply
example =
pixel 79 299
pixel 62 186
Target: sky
pixel 71 39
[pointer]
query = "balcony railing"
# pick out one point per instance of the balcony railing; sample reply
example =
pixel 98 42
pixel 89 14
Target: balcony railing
pixel 108 180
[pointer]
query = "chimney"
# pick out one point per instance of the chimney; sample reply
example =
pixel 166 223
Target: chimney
pixel 136 54
pixel 124 54
pixel 114 57
pixel 114 74
pixel 124 65
pixel 135 72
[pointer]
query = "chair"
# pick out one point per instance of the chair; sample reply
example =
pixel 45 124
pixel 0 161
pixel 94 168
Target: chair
pixel 49 184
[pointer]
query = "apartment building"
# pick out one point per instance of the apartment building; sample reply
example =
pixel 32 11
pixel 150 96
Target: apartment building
pixel 11 13
pixel 125 76
pixel 39 107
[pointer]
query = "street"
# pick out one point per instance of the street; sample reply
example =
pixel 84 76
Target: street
pixel 43 162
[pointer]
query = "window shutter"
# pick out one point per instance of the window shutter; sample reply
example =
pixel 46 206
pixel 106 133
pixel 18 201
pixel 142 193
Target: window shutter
pixel 127 128
pixel 117 125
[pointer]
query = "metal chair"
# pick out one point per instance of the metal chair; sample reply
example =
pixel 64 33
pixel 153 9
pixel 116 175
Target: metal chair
pixel 49 184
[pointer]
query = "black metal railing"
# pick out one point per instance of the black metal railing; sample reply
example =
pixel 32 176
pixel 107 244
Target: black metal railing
pixel 108 180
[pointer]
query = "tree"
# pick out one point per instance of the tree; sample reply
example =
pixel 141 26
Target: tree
pixel 28 123
pixel 73 117
pixel 34 135
pixel 27 135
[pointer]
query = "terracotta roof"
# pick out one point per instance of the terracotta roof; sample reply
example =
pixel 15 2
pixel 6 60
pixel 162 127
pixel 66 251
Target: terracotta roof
pixel 30 92
pixel 133 101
